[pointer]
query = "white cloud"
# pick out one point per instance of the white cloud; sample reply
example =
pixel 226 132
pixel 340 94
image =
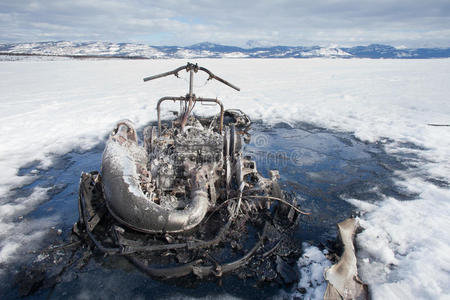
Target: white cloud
pixel 184 22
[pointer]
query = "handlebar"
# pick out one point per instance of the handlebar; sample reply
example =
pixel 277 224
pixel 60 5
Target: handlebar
pixel 195 68
pixel 174 72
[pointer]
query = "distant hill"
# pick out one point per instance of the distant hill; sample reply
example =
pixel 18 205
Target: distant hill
pixel 210 50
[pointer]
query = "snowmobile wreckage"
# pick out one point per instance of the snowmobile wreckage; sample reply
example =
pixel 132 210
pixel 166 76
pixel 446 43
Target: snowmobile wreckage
pixel 187 201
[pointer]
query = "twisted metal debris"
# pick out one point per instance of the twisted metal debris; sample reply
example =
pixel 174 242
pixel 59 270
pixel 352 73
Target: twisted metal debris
pixel 187 201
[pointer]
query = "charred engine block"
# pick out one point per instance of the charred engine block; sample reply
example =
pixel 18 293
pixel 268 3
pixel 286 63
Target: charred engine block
pixel 188 198
pixel 178 159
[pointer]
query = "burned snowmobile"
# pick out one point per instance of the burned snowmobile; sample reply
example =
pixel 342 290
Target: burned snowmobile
pixel 186 200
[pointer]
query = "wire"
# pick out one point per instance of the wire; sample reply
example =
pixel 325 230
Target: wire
pixel 439 125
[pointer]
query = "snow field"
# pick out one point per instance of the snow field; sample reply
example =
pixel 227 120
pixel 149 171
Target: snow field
pixel 48 108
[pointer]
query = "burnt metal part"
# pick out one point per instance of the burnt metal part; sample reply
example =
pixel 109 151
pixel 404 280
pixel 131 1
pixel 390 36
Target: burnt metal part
pixel 186 198
pixel 143 249
pixel 197 269
pixel 169 184
pixel 190 98
pixel 167 189
pixel 229 216
pixel 158 108
pixel 132 207
pixel 237 117
pixel 192 67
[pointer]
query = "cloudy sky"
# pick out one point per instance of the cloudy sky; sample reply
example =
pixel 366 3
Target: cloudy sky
pixel 410 23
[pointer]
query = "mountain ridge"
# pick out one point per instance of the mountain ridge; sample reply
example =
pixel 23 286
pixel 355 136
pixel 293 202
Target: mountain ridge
pixel 212 50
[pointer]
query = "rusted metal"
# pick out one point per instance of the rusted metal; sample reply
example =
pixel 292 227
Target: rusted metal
pixel 212 100
pixel 221 109
pixel 212 76
pixel 174 72
pixel 190 99
pixel 192 67
pixel 158 108
pixel 187 190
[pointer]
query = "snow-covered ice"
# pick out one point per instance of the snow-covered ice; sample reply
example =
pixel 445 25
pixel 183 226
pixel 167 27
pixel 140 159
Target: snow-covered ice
pixel 49 108
pixel 312 264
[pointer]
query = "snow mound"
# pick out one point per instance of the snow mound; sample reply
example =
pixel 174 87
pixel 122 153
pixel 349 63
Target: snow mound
pixel 312 265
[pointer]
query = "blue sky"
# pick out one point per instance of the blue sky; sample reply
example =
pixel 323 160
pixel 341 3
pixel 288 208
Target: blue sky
pixel 424 23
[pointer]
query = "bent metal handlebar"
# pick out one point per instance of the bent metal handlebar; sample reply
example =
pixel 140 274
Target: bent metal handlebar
pixel 175 72
pixel 195 68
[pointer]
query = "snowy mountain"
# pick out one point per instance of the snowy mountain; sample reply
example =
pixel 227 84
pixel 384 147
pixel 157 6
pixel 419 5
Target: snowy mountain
pixel 210 50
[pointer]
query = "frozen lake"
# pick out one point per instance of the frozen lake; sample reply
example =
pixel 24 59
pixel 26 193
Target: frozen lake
pixel 350 137
pixel 324 167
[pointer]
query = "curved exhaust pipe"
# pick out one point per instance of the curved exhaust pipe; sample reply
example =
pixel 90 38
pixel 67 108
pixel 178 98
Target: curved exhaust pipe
pixel 125 200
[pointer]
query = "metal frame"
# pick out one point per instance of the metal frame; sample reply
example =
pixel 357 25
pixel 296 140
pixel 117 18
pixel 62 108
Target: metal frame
pixel 217 101
pixel 190 98
pixel 193 68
